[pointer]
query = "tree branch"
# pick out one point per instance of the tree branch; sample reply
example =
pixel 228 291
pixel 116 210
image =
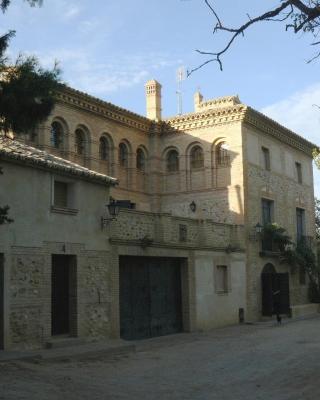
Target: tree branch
pixel 305 20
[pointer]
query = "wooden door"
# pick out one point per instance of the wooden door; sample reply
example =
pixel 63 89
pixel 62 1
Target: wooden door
pixel 150 297
pixel 60 295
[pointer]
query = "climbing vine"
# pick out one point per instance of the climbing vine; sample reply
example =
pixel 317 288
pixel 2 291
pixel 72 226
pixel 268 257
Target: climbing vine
pixel 299 255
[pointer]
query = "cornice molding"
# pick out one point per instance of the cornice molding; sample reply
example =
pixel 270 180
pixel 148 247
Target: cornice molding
pixel 187 122
pixel 85 102
pixel 205 119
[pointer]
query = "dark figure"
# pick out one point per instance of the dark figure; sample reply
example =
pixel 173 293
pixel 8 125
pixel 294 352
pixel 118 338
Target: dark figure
pixel 276 305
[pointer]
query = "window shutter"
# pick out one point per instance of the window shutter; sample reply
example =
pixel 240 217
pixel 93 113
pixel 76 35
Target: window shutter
pixel 60 194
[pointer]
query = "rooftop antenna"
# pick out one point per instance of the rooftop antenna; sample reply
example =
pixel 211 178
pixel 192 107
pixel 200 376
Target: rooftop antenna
pixel 181 76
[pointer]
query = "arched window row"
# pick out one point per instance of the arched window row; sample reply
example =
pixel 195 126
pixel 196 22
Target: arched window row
pixel 80 141
pixel 141 160
pixel 172 161
pixel 123 155
pixel 222 154
pixel 104 149
pixel 196 155
pixel 57 135
pixel 81 138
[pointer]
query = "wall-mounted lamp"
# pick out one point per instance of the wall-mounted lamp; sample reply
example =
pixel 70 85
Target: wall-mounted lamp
pixel 255 232
pixel 258 228
pixel 113 211
pixel 193 206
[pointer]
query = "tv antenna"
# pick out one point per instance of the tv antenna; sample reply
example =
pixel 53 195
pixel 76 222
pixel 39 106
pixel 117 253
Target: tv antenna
pixel 181 76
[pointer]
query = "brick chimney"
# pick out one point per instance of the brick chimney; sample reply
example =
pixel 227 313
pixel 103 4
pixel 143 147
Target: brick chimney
pixel 198 98
pixel 153 100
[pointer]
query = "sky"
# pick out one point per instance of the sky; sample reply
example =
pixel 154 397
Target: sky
pixel 110 48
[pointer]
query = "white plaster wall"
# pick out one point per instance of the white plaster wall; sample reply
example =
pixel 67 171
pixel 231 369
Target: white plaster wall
pixel 28 192
pixel 214 309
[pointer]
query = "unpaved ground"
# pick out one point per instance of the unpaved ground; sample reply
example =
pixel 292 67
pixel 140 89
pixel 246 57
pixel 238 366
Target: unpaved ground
pixel 242 362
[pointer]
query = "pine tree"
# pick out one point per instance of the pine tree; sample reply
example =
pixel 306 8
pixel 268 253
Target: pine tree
pixel 26 93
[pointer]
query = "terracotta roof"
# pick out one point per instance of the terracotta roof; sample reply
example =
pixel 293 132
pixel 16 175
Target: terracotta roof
pixel 14 150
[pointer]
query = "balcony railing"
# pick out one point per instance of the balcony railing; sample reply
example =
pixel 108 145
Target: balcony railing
pixel 307 241
pixel 152 228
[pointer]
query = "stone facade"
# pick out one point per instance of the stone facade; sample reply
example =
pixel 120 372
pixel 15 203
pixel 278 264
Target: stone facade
pixel 41 230
pixel 196 182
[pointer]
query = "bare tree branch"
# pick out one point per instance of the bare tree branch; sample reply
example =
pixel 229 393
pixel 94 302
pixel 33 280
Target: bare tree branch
pixel 305 15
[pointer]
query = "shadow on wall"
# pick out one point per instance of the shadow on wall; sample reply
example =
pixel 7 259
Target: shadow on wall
pixel 201 179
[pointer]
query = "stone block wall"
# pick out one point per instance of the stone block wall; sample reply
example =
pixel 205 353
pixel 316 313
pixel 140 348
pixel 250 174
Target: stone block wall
pixel 281 186
pixel 132 225
pixel 29 302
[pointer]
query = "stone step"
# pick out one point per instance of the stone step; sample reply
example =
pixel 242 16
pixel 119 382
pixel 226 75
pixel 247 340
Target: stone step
pixel 61 342
pixel 303 310
pixel 84 352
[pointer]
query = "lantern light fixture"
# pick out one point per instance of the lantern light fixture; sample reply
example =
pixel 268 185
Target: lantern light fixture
pixel 193 206
pixel 113 211
pixel 258 228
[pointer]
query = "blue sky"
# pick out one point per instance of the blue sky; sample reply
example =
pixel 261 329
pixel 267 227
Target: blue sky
pixel 111 48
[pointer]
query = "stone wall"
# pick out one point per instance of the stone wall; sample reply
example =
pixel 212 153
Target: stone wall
pixel 281 186
pixel 131 225
pixel 30 296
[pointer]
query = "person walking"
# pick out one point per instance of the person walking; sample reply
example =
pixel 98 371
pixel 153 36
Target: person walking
pixel 276 305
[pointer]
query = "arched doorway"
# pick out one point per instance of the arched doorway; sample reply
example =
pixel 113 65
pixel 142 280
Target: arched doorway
pixel 275 291
pixel 269 269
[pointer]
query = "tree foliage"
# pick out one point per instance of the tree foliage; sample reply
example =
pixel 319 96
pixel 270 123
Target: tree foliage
pixel 4 217
pixel 26 89
pixel 277 235
pixel 26 92
pixel 26 96
pixel 4 4
pixel 299 255
pixel 296 16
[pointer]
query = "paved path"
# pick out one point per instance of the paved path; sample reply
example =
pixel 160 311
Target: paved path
pixel 250 362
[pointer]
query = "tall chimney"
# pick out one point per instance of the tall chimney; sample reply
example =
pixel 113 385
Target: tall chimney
pixel 153 99
pixel 197 101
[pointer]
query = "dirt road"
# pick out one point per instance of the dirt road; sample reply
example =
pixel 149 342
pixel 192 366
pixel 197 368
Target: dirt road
pixel 250 362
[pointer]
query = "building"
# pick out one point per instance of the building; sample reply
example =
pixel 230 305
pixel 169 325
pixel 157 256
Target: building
pixel 55 275
pixel 184 251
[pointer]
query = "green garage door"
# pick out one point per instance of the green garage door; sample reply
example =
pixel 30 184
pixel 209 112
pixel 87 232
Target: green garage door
pixel 150 297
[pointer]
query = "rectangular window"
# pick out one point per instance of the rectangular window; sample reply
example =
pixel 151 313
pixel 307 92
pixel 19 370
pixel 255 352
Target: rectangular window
pixel 60 194
pixel 267 211
pixel 221 279
pixel 267 218
pixel 300 223
pixel 183 233
pixel 266 158
pixel 299 172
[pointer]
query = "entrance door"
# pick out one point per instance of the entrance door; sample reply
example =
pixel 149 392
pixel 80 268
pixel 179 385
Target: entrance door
pixel 1 302
pixel 63 283
pixel 150 297
pixel 275 293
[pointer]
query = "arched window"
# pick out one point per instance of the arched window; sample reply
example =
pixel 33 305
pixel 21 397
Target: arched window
pixel 196 155
pixel 103 149
pixel 222 154
pixel 141 160
pixel 123 155
pixel 172 161
pixel 56 135
pixel 80 141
